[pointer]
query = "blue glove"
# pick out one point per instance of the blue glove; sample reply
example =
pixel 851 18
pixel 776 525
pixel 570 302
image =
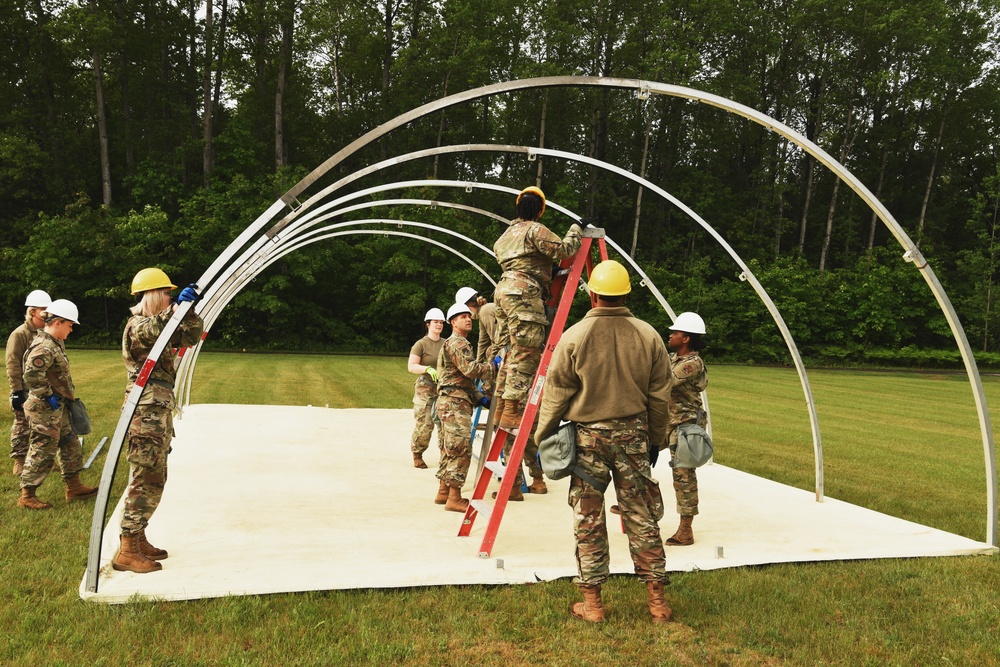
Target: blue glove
pixel 189 293
pixel 53 401
pixel 496 363
pixel 484 401
pixel 654 455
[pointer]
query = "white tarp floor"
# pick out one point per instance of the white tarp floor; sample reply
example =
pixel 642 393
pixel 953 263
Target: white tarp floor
pixel 269 499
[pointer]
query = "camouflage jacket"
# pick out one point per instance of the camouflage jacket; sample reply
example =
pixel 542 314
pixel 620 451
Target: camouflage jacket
pixel 487 332
pixel 528 249
pixel 457 369
pixel 17 345
pixel 46 368
pixel 690 379
pixel 138 339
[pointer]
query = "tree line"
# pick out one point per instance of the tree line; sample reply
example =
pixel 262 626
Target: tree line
pixel 137 133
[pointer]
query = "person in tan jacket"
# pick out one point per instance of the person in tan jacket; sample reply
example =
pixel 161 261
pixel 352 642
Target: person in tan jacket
pixel 17 344
pixel 610 375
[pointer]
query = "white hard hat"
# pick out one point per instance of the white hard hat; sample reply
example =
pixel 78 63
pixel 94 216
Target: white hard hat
pixel 457 309
pixel 465 295
pixel 689 323
pixel 434 314
pixel 65 309
pixel 38 299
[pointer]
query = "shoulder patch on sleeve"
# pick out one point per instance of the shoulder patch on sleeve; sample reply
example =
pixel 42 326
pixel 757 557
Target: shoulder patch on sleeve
pixel 38 362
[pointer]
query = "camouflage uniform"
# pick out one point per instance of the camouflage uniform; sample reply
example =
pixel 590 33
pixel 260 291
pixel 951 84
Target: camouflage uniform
pixel 46 372
pixel 152 425
pixel 17 345
pixel 457 368
pixel 425 396
pixel 690 379
pixel 526 251
pixel 616 449
pixel 610 375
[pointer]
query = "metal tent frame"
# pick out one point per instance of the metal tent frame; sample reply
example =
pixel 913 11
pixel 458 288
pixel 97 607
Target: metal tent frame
pixel 220 276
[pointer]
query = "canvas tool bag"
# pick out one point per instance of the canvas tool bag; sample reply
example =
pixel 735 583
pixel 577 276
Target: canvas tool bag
pixel 79 420
pixel 694 446
pixel 557 456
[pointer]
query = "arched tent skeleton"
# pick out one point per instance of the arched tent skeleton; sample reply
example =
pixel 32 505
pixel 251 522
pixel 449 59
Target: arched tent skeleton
pixel 211 281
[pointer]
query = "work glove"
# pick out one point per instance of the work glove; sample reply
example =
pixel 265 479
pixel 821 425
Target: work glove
pixel 53 401
pixel 17 400
pixel 189 293
pixel 496 363
pixel 654 455
pixel 433 373
pixel 484 402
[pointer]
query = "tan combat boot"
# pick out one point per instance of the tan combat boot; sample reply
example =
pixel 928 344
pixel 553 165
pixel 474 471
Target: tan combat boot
pixel 516 494
pixel 75 489
pixel 442 495
pixel 684 535
pixel 538 486
pixel 418 461
pixel 455 502
pixel 510 420
pixel 28 500
pixel 147 549
pixel 592 607
pixel 131 559
pixel 658 608
pixel 18 465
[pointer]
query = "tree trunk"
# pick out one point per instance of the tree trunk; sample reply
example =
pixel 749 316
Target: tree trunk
pixel 284 65
pixel 930 180
pixel 541 138
pixel 638 196
pixel 123 76
pixel 220 57
pixel 102 122
pixel 844 150
pixel 805 207
pixel 206 89
pixel 873 223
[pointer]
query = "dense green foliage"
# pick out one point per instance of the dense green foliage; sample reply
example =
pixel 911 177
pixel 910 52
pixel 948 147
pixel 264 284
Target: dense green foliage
pixel 906 93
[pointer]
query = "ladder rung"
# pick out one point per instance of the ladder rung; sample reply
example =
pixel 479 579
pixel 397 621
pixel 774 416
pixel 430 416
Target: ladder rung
pixel 483 507
pixel 480 427
pixel 496 468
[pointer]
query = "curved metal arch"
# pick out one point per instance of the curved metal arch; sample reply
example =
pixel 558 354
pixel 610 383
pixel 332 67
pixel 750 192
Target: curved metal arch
pixel 213 309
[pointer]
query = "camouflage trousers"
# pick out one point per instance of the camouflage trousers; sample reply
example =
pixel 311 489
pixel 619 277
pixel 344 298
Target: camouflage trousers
pixel 19 435
pixel 50 439
pixel 148 442
pixel 425 416
pixel 521 313
pixel 456 450
pixel 685 483
pixel 616 450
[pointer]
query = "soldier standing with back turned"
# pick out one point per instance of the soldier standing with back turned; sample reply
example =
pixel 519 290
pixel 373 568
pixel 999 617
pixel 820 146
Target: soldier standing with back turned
pixel 610 375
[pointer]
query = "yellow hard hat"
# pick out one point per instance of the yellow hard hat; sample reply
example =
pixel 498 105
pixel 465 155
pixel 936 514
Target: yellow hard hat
pixel 535 191
pixel 152 278
pixel 609 278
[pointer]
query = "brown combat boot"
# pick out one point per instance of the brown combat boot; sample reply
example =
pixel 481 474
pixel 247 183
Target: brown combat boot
pixel 510 420
pixel 538 486
pixel 442 495
pixel 592 607
pixel 28 500
pixel 515 493
pixel 418 461
pixel 131 559
pixel 455 502
pixel 658 608
pixel 75 489
pixel 18 465
pixel 147 549
pixel 684 535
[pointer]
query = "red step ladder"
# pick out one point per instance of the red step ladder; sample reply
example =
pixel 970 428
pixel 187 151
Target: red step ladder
pixel 563 289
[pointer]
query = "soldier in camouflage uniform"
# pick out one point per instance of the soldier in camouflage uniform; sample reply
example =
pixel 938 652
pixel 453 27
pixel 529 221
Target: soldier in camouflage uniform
pixel 50 386
pixel 457 370
pixel 690 379
pixel 152 427
pixel 526 251
pixel 422 360
pixel 17 344
pixel 610 376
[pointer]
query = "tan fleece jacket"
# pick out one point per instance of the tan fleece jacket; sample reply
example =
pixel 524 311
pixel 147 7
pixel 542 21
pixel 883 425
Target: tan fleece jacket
pixel 610 365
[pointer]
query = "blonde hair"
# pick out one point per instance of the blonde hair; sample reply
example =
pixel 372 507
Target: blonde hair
pixel 149 304
pixel 37 309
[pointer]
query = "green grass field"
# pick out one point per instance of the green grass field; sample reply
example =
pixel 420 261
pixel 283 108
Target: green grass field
pixel 900 443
